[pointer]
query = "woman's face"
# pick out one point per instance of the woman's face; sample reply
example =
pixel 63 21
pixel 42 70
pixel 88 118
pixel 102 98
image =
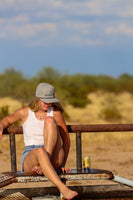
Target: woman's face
pixel 45 106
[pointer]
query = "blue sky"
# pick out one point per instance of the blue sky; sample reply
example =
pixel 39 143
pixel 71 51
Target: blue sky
pixel 73 36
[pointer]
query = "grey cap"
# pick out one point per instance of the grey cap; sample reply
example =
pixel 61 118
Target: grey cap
pixel 46 93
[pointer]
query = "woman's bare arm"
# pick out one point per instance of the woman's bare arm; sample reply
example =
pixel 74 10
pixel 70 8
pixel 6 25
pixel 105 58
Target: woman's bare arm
pixel 63 132
pixel 18 115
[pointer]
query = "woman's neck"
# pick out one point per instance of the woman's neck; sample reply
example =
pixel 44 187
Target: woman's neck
pixel 41 114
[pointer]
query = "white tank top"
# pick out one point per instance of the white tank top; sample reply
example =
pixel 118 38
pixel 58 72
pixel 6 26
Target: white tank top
pixel 33 129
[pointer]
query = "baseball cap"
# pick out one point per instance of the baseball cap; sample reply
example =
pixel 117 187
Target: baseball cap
pixel 46 93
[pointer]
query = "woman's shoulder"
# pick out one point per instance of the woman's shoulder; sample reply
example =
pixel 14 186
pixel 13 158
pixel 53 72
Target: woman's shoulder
pixel 24 109
pixel 22 112
pixel 57 113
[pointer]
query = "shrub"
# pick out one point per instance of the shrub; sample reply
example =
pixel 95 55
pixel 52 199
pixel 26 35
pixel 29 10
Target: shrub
pixel 4 111
pixel 111 114
pixel 110 111
pixel 79 102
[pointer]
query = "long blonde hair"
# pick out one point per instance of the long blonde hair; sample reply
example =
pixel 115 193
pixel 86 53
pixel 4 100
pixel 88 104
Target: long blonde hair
pixel 36 103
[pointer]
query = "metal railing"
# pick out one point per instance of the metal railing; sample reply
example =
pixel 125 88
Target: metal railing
pixel 78 129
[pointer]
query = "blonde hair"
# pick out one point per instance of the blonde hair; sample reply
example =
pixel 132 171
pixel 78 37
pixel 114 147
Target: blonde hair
pixel 36 103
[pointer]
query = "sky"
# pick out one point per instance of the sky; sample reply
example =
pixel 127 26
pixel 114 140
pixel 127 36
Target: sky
pixel 72 36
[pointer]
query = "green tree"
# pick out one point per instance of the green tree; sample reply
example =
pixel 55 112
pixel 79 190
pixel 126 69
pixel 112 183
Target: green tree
pixel 48 74
pixel 9 80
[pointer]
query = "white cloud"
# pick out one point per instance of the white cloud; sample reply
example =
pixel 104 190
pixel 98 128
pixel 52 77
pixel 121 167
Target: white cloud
pixel 29 30
pixel 95 7
pixel 78 27
pixel 79 41
pixel 20 26
pixel 127 11
pixel 90 22
pixel 18 19
pixel 120 29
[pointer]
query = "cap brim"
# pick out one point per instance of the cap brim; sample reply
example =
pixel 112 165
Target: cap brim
pixel 51 100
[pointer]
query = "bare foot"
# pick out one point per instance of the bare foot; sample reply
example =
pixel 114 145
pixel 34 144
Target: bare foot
pixel 69 194
pixel 38 170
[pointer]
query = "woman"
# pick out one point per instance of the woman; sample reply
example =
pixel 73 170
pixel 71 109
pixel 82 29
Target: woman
pixel 46 137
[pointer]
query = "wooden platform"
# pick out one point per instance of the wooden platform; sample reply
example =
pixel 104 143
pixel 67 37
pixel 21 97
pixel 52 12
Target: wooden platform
pixel 7 178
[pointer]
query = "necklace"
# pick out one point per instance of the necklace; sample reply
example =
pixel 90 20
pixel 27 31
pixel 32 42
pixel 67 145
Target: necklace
pixel 39 116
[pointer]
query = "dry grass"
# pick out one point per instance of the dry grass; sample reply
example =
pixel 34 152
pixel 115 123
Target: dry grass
pixel 8 101
pixel 91 114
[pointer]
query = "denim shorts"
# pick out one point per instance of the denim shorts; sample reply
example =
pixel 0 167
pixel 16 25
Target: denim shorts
pixel 27 150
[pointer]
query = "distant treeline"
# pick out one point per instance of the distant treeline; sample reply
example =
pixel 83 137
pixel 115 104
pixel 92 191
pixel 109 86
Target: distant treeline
pixel 72 89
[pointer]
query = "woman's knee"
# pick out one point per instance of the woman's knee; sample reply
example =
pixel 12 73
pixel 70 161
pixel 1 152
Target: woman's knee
pixel 50 121
pixel 40 151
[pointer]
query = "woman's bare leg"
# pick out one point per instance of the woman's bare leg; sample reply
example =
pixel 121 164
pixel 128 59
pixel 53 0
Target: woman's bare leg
pixel 53 145
pixel 52 142
pixel 40 157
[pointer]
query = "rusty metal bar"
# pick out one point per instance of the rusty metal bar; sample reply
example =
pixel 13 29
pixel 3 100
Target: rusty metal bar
pixel 13 152
pixel 6 179
pixel 82 128
pixel 79 152
pixel 122 180
pixel 68 177
pixel 13 129
pixel 100 128
pixel 22 177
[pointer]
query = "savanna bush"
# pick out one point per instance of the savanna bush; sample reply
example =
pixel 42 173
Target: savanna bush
pixel 71 89
pixel 111 114
pixel 4 111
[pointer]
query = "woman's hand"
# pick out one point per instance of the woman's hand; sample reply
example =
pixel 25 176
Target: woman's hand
pixel 65 170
